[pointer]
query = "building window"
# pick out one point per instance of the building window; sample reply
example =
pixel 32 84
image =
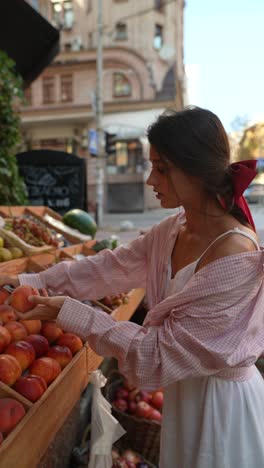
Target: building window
pixel 122 86
pixel 48 90
pixel 62 13
pixel 121 32
pixel 158 37
pixel 159 5
pixel 66 88
pixel 28 96
pixel 128 158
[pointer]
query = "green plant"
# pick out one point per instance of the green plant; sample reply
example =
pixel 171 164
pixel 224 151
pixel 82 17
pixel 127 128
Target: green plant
pixel 12 187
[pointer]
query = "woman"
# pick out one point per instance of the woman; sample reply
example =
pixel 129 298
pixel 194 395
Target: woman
pixel 203 274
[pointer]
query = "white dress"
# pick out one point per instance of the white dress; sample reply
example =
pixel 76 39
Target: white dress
pixel 209 422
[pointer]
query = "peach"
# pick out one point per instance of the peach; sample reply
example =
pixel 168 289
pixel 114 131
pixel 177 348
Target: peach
pixel 62 354
pixel 33 327
pixel 19 298
pixel 47 368
pixel 23 352
pixel 72 341
pixel 31 387
pixel 3 295
pixel 39 343
pixel 11 412
pixel 51 331
pixel 10 369
pixel 7 313
pixel 5 338
pixel 16 330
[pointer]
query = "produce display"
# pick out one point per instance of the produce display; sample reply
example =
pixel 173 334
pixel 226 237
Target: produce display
pixel 127 459
pixel 11 413
pixel 7 252
pixel 33 353
pixel 32 231
pixel 115 301
pixel 139 403
pixel 81 220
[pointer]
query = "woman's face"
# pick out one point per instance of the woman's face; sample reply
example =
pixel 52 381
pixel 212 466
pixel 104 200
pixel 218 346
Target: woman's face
pixel 172 186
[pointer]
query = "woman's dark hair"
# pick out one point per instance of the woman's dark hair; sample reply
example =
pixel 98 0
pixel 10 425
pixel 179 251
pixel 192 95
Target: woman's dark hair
pixel 195 141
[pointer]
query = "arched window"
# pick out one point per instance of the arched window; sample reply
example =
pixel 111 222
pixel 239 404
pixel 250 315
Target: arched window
pixel 122 86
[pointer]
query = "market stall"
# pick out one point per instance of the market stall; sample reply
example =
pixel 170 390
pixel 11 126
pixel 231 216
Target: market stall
pixel 30 438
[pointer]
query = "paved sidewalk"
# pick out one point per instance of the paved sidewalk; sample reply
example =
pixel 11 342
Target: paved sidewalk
pixel 112 223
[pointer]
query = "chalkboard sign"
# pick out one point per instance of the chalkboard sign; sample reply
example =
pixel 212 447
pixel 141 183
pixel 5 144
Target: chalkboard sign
pixel 54 178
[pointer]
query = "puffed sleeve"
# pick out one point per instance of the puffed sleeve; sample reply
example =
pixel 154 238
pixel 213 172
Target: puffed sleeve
pixel 108 272
pixel 154 356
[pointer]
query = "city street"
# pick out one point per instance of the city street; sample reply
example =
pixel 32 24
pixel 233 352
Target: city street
pixel 112 223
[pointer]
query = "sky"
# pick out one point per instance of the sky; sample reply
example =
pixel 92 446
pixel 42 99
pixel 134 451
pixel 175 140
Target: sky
pixel 224 57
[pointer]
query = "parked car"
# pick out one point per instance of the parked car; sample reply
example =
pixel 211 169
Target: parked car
pixel 254 193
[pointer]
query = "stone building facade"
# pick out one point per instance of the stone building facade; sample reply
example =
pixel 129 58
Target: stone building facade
pixel 143 73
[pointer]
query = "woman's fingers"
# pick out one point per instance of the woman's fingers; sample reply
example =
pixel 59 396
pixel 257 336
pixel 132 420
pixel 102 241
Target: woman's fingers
pixel 40 300
pixel 41 312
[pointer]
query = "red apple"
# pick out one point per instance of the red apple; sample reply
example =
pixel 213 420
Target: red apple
pixel 19 298
pixel 10 369
pixel 39 343
pixel 73 342
pixel 3 295
pixel 51 331
pixel 120 404
pixel 132 406
pixel 155 415
pixel 143 396
pixel 31 387
pixel 5 338
pixel 7 313
pixel 131 456
pixel 47 368
pixel 62 354
pixel 122 393
pixel 132 395
pixel 33 327
pixel 16 330
pixel 143 409
pixel 23 352
pixel 11 412
pixel 157 400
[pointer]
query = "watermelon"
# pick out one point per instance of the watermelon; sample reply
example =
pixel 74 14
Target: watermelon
pixel 81 220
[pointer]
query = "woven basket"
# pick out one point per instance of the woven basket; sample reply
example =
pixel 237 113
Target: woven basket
pixel 83 451
pixel 142 435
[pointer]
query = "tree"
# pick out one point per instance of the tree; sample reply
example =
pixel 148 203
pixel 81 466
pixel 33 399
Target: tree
pixel 12 187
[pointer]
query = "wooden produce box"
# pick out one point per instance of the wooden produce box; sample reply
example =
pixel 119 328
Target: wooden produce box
pixel 39 213
pixel 28 442
pixel 20 265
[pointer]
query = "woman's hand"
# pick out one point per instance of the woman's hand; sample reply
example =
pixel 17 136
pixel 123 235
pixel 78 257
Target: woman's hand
pixel 12 280
pixel 47 308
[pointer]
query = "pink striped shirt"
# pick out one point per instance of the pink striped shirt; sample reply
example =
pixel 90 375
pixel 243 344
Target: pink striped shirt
pixel 214 326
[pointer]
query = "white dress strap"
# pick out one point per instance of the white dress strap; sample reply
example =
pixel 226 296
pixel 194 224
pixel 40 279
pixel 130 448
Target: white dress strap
pixel 231 231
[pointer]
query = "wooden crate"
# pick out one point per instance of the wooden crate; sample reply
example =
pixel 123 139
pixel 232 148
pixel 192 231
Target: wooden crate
pixel 20 265
pixel 39 213
pixel 84 249
pixel 27 443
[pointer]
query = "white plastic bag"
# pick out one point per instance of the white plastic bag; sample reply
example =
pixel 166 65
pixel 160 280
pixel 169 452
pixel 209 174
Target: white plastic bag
pixel 105 429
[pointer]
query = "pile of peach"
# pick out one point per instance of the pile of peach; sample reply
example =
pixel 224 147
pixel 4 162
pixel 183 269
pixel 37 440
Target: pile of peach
pixel 139 403
pixel 32 353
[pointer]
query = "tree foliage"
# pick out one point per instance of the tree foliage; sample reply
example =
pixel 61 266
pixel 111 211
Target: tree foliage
pixel 12 187
pixel 252 142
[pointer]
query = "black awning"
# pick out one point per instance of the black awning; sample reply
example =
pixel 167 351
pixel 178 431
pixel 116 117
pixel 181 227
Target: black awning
pixel 28 38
